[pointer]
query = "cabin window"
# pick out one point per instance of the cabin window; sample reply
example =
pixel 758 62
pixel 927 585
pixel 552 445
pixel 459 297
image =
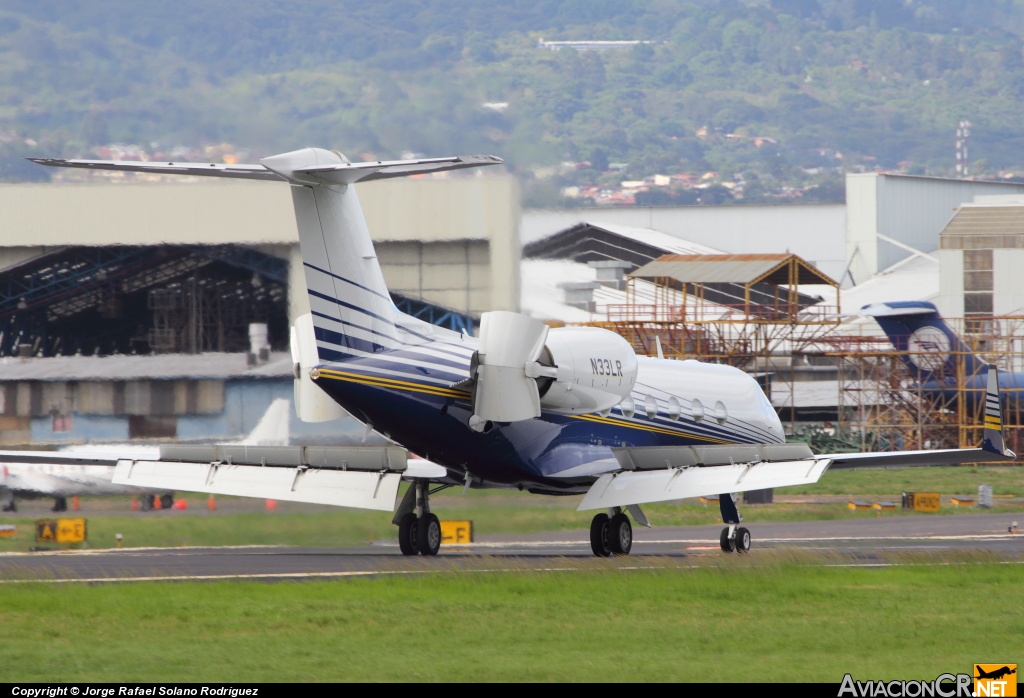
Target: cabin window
pixel 696 410
pixel 651 406
pixel 627 407
pixel 721 414
pixel 674 410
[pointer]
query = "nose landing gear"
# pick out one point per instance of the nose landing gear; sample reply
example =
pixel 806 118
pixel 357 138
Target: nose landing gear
pixel 734 538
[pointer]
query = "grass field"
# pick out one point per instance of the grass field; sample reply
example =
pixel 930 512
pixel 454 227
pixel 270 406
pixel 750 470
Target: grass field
pixel 781 619
pixel 245 522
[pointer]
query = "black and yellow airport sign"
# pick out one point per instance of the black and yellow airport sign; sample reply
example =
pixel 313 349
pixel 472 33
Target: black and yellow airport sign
pixel 923 501
pixel 455 532
pixel 60 531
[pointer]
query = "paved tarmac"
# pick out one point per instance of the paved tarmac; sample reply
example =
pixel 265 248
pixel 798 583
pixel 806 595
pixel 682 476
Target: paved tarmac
pixel 854 541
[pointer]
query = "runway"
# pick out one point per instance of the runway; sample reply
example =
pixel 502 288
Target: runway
pixel 855 541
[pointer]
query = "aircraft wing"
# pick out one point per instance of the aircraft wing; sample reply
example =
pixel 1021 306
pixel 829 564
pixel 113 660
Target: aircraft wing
pixel 56 458
pixel 664 473
pixel 358 477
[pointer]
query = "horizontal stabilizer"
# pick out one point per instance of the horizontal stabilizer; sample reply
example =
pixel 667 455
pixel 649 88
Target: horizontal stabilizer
pixel 198 169
pixel 346 173
pixel 345 488
pixel 308 166
pixel 646 486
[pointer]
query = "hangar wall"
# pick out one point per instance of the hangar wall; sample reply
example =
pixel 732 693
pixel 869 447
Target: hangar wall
pixel 911 210
pixel 453 239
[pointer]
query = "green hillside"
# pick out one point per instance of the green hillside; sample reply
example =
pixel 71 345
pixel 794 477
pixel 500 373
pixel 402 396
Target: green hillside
pixel 775 94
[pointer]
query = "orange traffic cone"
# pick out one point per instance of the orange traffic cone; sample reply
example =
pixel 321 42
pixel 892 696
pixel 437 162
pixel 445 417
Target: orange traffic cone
pixel 74 503
pixel 180 504
pixel 135 503
pixel 157 504
pixel 211 503
pixel 271 504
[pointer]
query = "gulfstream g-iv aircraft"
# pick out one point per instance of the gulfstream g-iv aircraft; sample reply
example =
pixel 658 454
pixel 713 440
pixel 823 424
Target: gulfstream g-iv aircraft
pixel 553 411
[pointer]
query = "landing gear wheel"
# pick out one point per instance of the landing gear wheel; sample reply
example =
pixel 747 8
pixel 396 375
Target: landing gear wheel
pixel 728 544
pixel 407 539
pixel 166 501
pixel 147 502
pixel 742 540
pixel 620 534
pixel 60 504
pixel 428 534
pixel 600 536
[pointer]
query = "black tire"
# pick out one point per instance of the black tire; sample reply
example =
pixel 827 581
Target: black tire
pixel 620 534
pixel 60 504
pixel 728 544
pixel 407 539
pixel 428 534
pixel 742 540
pixel 600 536
pixel 147 502
pixel 167 501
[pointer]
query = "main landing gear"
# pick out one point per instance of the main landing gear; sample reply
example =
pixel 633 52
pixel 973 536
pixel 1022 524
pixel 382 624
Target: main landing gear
pixel 419 531
pixel 611 534
pixel 734 538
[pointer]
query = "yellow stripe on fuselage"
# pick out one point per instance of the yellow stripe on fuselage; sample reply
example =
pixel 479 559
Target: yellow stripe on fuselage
pixel 643 427
pixel 394 384
pixel 409 386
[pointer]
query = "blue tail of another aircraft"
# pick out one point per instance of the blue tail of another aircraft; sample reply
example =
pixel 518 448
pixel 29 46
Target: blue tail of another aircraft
pixel 928 346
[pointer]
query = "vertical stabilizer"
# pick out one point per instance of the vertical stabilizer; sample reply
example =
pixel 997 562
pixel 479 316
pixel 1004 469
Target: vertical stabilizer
pixel 928 346
pixel 352 312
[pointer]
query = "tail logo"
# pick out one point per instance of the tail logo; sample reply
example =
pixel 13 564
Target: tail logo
pixel 928 348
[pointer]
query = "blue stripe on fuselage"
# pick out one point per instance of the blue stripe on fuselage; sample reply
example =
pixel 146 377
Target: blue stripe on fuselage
pixel 434 424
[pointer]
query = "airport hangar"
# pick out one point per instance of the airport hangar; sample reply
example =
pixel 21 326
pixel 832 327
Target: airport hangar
pixel 133 308
pixel 449 249
pixel 898 237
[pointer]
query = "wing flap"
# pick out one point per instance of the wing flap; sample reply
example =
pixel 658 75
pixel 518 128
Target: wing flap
pixel 646 486
pixel 345 488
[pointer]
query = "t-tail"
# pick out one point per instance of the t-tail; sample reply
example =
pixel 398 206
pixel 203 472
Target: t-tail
pixel 353 314
pixel 927 345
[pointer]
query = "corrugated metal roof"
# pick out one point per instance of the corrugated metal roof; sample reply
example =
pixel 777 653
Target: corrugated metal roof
pixel 586 242
pixel 1001 225
pixel 730 269
pixel 656 238
pixel 218 366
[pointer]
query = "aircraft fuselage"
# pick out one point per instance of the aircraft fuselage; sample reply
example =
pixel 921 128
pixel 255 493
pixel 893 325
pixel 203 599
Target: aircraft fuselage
pixel 406 394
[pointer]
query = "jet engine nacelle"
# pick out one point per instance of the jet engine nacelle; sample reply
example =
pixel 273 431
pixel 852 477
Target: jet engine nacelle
pixel 596 370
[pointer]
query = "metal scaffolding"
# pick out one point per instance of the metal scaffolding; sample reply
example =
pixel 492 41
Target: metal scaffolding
pixel 885 406
pixel 748 311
